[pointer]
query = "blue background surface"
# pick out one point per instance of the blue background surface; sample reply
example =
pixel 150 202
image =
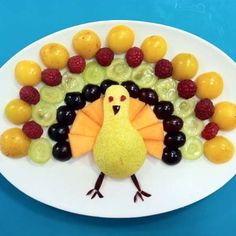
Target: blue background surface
pixel 23 22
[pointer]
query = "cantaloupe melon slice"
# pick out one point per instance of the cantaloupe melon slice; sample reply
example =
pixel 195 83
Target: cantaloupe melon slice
pixel 85 126
pixel 135 107
pixel 153 132
pixel 154 148
pixel 80 144
pixel 145 117
pixel 95 111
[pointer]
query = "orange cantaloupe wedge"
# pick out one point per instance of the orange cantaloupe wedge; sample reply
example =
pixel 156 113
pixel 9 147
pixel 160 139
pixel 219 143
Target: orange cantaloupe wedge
pixel 135 107
pixel 153 132
pixel 84 125
pixel 154 148
pixel 144 118
pixel 80 145
pixel 95 111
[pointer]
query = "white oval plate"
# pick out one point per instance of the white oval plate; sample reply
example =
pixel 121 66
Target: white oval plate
pixel 64 185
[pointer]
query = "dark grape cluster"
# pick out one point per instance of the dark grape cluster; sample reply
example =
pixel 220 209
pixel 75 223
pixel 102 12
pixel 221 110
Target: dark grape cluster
pixel 59 131
pixel 65 117
pixel 174 138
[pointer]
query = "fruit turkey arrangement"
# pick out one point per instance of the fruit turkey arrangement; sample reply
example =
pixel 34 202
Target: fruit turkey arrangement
pixel 120 102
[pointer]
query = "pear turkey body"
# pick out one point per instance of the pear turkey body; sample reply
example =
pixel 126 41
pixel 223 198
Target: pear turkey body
pixel 119 150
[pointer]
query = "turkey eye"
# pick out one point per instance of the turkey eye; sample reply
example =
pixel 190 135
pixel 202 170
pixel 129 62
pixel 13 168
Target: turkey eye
pixel 110 98
pixel 122 98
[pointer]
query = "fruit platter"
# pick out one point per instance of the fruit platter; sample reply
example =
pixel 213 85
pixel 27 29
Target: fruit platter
pixel 118 119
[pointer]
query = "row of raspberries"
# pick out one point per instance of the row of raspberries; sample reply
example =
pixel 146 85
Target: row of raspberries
pixel 134 57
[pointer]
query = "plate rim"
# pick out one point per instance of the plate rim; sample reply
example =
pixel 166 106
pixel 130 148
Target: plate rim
pixel 87 24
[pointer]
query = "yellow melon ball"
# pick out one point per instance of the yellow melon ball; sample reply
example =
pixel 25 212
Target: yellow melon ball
pixel 54 55
pixel 225 115
pixel 18 112
pixel 86 43
pixel 28 72
pixel 218 150
pixel 209 85
pixel 185 66
pixel 154 48
pixel 14 143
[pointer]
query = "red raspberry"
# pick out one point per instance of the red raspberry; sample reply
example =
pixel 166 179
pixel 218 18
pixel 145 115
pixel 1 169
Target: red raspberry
pixel 204 109
pixel 210 131
pixel 186 88
pixel 30 95
pixel 163 69
pixel 51 77
pixel 104 56
pixel 32 129
pixel 76 64
pixel 134 57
